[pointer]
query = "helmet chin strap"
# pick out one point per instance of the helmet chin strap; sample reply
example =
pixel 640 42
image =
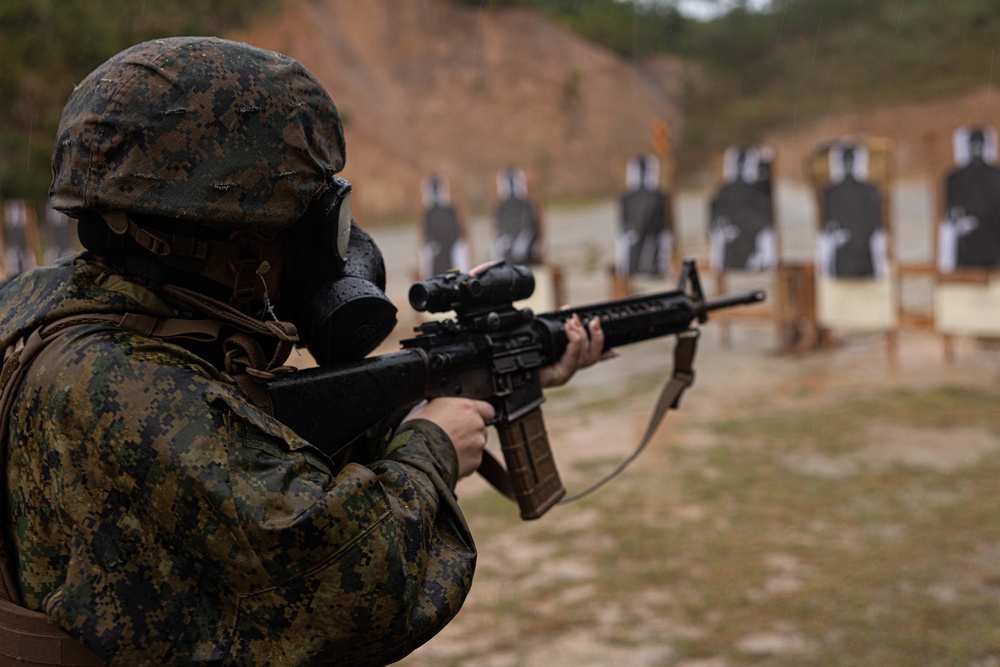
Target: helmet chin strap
pixel 160 243
pixel 243 258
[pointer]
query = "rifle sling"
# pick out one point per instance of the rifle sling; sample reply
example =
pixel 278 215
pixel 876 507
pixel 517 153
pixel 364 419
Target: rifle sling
pixel 682 378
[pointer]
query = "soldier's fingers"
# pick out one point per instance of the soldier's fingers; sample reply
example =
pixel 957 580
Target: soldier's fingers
pixel 596 347
pixel 486 411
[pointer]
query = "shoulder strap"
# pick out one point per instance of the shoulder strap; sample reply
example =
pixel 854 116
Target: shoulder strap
pixel 26 636
pixel 245 361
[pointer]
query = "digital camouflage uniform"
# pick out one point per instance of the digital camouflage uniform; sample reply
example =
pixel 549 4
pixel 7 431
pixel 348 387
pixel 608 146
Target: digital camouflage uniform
pixel 162 519
pixel 151 509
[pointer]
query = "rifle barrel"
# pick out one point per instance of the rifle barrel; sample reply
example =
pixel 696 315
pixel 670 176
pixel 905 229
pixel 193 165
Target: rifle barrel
pixel 742 299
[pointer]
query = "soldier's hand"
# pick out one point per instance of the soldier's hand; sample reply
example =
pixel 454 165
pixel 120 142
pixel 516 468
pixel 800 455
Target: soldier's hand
pixel 584 348
pixel 464 420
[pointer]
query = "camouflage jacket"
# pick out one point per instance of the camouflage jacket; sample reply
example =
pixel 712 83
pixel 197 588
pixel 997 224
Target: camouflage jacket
pixel 158 516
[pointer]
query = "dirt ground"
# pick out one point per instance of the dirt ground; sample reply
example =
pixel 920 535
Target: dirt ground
pixel 598 419
pixel 737 381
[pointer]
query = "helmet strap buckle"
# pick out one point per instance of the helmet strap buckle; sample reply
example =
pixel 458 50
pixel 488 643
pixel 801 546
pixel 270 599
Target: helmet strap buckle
pixel 154 243
pixel 158 243
pixel 247 276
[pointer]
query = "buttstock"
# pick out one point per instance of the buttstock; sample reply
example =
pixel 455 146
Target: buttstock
pixel 330 406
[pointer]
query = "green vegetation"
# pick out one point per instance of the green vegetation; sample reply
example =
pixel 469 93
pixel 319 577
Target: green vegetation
pixel 627 27
pixel 799 59
pixel 46 46
pixel 756 70
pixel 811 57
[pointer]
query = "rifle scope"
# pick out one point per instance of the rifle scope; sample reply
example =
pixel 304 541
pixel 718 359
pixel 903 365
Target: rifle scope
pixel 488 285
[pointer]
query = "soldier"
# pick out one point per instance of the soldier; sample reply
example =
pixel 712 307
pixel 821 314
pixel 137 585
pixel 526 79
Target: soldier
pixel 155 511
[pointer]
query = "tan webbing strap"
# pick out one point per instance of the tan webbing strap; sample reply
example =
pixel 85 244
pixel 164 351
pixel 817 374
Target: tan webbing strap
pixel 161 243
pixel 284 332
pixel 26 636
pixel 683 376
pixel 246 364
pixel 27 639
pixel 153 327
pixel 221 311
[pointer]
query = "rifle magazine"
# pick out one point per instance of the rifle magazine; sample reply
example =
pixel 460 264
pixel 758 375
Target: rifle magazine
pixel 534 478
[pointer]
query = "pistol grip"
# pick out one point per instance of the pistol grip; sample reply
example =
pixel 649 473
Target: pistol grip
pixel 531 467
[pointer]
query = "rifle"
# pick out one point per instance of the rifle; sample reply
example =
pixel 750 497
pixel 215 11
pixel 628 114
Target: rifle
pixel 490 351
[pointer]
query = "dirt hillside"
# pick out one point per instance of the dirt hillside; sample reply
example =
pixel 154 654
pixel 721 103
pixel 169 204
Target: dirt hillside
pixel 430 86
pixel 433 87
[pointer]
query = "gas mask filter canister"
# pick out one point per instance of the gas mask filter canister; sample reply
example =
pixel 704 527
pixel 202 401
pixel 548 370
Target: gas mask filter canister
pixel 333 283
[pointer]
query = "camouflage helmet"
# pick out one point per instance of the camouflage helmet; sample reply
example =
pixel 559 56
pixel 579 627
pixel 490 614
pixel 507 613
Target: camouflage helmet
pixel 215 132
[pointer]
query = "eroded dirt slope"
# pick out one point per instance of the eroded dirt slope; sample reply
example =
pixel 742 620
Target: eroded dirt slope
pixel 429 86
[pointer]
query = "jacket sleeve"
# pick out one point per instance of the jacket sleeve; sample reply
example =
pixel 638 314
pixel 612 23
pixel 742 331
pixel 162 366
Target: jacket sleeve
pixel 364 565
pixel 161 519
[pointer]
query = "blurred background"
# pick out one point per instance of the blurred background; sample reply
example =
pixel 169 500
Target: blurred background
pixel 826 495
pixel 568 93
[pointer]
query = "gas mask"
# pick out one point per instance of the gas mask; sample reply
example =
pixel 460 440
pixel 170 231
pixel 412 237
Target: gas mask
pixel 333 281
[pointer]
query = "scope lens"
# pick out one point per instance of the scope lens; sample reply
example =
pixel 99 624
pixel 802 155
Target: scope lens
pixel 418 297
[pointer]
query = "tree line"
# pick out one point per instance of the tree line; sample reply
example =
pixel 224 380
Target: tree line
pixel 754 70
pixel 795 60
pixel 47 46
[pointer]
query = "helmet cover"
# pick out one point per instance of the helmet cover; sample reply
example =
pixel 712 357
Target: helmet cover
pixel 202 129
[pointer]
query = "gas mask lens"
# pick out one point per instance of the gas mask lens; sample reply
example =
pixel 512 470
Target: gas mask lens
pixel 335 207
